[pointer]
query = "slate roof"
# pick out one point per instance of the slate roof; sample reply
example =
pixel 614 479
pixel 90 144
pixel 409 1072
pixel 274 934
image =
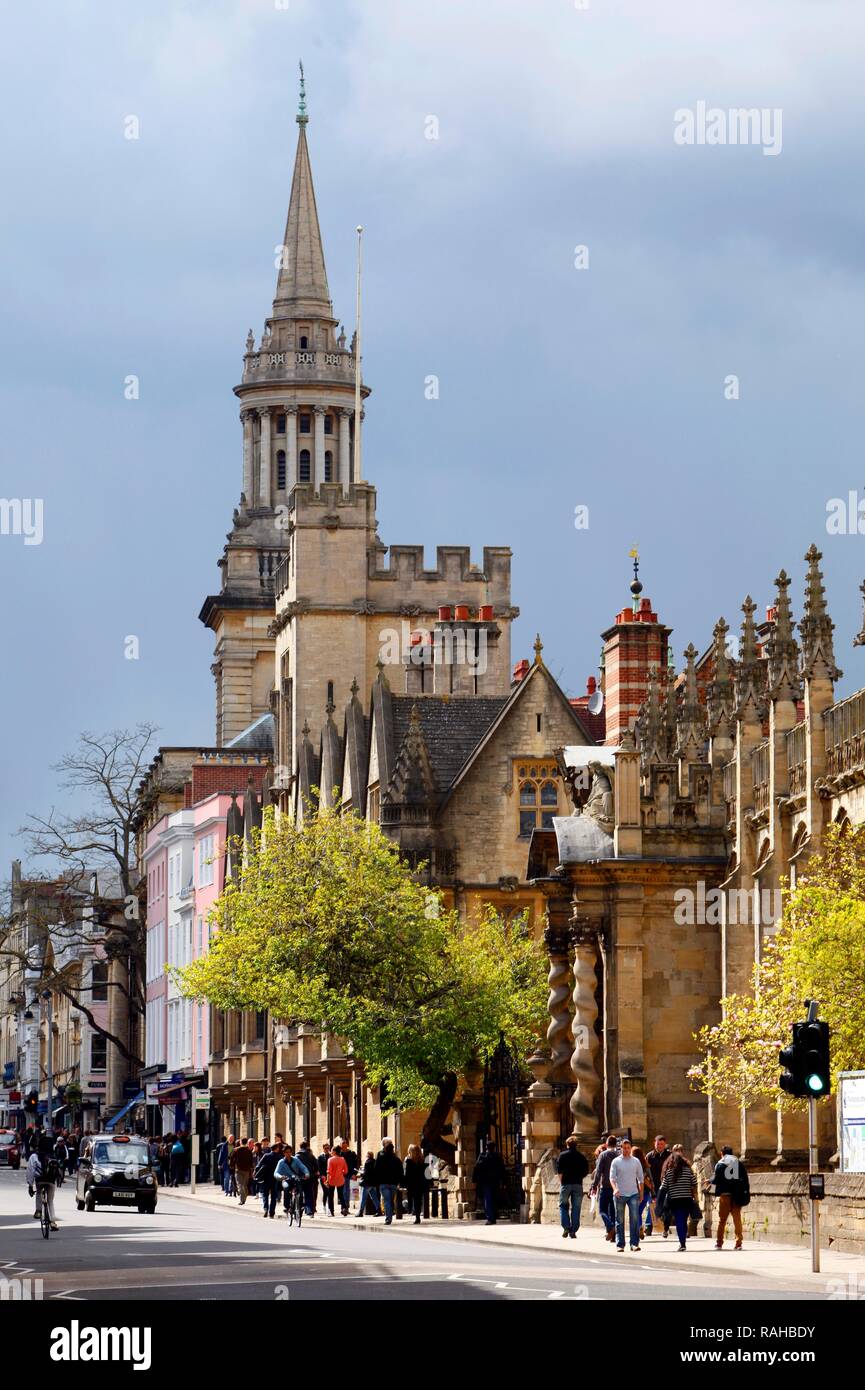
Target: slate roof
pixel 452 728
pixel 258 737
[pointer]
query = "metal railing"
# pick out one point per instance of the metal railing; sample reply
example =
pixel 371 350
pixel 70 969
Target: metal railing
pixel 730 790
pixel 845 735
pixel 797 759
pixel 760 776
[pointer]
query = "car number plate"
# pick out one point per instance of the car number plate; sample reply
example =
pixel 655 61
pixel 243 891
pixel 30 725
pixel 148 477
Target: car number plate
pixel 125 1196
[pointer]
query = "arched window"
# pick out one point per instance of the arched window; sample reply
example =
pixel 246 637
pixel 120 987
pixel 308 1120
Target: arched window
pixel 280 470
pixel 539 797
pixel 328 466
pixel 304 342
pixel 303 474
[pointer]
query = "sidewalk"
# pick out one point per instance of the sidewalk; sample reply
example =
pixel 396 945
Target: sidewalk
pixel 764 1259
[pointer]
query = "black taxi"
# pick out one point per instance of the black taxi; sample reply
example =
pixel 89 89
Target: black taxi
pixel 115 1170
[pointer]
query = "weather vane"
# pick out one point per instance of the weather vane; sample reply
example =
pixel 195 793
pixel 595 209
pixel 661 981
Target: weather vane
pixel 302 117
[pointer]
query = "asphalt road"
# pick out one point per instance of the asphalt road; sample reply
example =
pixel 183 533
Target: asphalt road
pixel 195 1251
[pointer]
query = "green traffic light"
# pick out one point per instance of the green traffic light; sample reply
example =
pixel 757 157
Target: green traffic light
pixel 814 1082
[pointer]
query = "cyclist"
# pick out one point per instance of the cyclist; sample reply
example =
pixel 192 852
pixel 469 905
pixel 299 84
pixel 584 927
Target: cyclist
pixel 42 1173
pixel 293 1175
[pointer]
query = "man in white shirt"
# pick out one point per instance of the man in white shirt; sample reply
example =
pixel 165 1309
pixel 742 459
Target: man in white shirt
pixel 626 1175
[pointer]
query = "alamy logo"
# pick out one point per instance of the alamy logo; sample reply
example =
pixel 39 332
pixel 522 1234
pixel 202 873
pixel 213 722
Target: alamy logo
pixel 22 516
pixel 735 906
pixel 77 1343
pixel 711 125
pixel 21 1290
pixel 446 646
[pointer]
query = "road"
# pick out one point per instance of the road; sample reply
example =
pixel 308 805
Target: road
pixel 195 1251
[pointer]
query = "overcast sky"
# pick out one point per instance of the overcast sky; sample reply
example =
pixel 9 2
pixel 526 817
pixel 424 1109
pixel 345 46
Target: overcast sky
pixel 558 387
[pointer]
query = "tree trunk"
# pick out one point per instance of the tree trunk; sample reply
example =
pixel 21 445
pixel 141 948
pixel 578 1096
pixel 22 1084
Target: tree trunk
pixel 431 1134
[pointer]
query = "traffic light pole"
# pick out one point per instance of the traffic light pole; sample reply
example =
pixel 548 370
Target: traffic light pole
pixel 813 1166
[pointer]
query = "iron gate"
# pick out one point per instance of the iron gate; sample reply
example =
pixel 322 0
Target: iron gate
pixel 502 1123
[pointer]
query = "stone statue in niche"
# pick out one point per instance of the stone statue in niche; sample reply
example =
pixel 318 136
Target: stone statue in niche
pixel 591 791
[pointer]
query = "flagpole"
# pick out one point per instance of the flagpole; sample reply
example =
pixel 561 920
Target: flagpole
pixel 357 396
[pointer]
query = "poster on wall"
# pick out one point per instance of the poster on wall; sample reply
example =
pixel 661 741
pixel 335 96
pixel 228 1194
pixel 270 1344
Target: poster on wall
pixel 851 1118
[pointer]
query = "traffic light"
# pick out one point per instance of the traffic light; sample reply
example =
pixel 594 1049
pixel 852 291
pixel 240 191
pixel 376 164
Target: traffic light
pixel 806 1062
pixel 31 1103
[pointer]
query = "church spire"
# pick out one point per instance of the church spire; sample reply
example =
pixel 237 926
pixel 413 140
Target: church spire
pixel 301 289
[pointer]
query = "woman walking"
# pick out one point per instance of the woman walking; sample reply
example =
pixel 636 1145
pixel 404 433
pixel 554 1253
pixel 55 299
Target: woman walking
pixel 680 1182
pixel 414 1169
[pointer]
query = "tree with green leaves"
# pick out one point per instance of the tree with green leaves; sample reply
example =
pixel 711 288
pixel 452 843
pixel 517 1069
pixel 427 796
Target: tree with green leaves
pixel 817 953
pixel 326 924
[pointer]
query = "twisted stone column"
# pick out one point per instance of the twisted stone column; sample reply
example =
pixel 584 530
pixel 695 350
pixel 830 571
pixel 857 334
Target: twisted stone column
pixel 584 1058
pixel 558 1004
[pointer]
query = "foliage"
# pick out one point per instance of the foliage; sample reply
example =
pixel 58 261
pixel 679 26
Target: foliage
pixel 817 953
pixel 328 925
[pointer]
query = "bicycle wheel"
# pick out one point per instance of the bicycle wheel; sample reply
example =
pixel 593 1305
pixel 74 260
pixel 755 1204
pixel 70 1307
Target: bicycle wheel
pixel 44 1219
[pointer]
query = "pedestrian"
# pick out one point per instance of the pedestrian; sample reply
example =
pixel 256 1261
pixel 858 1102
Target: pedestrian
pixel 352 1164
pixel 178 1162
pixel 242 1162
pixel 368 1187
pixel 165 1159
pixel 626 1176
pixel 310 1183
pixel 679 1182
pixel 72 1147
pixel 414 1177
pixel 265 1177
pixel 732 1187
pixel 571 1166
pixel 222 1163
pixel 648 1190
pixel 326 1192
pixel 61 1153
pixel 488 1176
pixel 602 1187
pixel 388 1176
pixel 335 1177
pixel 655 1160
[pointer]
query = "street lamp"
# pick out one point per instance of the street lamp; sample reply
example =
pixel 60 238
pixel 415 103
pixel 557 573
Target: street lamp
pixel 49 1060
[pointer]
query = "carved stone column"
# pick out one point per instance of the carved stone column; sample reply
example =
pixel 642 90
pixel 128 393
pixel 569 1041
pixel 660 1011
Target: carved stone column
pixel 585 1056
pixel 318 475
pixel 559 980
pixel 264 459
pixel 247 417
pixel 345 415
pixel 290 447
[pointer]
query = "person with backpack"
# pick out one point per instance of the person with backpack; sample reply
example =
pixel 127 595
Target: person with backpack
pixel 572 1167
pixel 602 1186
pixel 265 1177
pixel 731 1186
pixel 43 1172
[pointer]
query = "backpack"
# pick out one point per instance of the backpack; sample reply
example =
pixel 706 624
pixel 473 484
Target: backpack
pixel 50 1171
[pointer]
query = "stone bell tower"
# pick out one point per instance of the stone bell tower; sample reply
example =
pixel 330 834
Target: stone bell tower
pixel 297 395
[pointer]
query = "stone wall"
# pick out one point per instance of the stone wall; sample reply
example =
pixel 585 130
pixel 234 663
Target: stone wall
pixel 779 1210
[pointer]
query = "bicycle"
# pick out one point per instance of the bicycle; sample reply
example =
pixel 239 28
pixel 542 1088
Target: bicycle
pixel 295 1203
pixel 44 1218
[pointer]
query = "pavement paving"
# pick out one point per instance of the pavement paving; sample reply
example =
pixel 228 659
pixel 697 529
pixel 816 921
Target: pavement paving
pixel 763 1259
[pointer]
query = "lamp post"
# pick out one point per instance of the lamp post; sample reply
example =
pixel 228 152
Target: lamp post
pixel 49 1059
